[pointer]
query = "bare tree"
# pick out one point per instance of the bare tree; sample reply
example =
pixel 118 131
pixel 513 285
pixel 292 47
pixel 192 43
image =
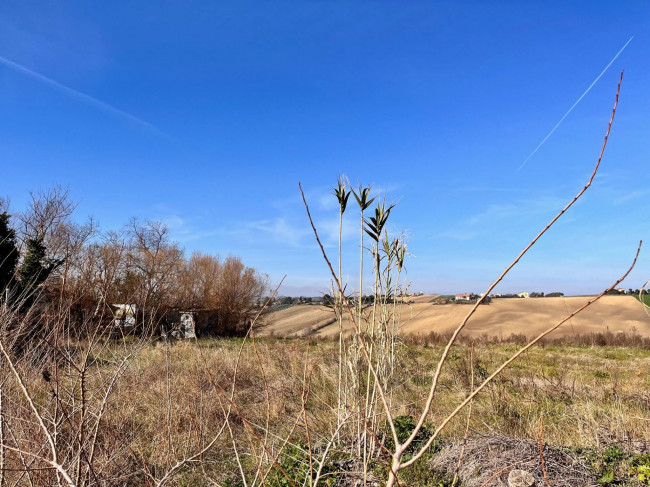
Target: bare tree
pixel 46 210
pixel 240 288
pixel 228 288
pixel 153 265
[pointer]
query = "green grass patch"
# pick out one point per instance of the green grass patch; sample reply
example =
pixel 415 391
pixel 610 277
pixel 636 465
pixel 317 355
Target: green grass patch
pixel 442 297
pixel 644 298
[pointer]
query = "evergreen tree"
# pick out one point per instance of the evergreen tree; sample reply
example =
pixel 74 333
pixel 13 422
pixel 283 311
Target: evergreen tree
pixel 8 254
pixel 35 268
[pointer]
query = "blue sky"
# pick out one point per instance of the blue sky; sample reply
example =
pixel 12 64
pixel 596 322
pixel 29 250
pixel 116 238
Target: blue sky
pixel 206 115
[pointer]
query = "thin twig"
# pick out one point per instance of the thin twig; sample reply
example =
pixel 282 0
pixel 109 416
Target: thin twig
pixel 512 359
pixel 2 438
pixel 469 417
pixel 507 467
pixel 540 441
pixel 54 462
pixel 452 340
pixel 249 427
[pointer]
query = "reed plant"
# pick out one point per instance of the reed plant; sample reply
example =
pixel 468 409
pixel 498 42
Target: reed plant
pixel 371 338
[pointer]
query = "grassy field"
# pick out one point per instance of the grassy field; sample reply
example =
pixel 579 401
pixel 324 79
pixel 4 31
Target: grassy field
pixel 644 299
pixel 277 397
pixel 442 297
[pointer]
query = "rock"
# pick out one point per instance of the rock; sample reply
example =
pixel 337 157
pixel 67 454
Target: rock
pixel 520 478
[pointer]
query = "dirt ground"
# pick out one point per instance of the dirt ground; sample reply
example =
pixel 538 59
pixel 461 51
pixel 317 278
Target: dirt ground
pixel 502 317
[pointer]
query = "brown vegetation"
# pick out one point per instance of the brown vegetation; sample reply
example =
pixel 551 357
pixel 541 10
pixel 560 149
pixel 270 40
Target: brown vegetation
pixel 86 272
pixel 166 403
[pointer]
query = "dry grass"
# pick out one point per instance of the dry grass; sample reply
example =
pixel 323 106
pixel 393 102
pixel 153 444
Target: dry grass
pixel 165 407
pixel 491 458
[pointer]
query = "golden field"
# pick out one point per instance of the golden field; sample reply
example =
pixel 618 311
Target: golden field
pixel 501 318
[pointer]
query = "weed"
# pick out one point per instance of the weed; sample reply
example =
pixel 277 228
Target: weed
pixel 616 466
pixel 640 468
pixel 599 374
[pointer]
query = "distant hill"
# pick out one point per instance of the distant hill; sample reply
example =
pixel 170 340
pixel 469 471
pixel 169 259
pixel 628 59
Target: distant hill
pixel 500 318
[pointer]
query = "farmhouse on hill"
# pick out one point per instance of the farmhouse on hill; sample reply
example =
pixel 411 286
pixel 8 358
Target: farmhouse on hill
pixel 463 297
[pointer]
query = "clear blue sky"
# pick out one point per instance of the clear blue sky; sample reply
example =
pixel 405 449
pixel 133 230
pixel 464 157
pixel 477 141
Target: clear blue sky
pixel 207 114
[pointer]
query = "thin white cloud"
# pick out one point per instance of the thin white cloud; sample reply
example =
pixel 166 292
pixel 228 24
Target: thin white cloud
pixel 185 230
pixel 173 222
pixel 278 229
pixel 486 189
pixel 478 224
pixel 631 196
pixel 79 95
pixel 328 202
pixel 328 229
pixel 191 235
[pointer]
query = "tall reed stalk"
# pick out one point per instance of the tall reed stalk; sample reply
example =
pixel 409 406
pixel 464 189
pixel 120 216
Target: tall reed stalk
pixel 342 195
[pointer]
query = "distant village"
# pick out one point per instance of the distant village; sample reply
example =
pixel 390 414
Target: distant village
pixel 327 299
pixel 461 298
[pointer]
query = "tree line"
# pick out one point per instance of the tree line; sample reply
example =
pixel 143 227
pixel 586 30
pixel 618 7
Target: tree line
pixel 49 262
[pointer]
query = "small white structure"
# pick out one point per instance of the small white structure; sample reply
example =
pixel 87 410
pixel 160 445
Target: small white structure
pixel 125 315
pixel 180 325
pixel 523 294
pixel 187 325
pixel 463 297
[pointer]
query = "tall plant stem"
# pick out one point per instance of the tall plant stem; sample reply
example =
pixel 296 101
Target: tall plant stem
pixel 360 341
pixel 359 327
pixel 361 273
pixel 339 311
pixel 2 440
pixel 368 404
pixel 393 332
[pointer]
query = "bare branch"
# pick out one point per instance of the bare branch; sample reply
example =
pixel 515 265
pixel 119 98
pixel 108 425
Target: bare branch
pixel 513 358
pixel 452 340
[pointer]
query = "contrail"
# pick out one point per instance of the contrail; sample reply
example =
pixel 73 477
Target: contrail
pixel 79 95
pixel 574 105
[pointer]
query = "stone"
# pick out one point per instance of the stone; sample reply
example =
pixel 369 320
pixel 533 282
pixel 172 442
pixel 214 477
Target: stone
pixel 520 478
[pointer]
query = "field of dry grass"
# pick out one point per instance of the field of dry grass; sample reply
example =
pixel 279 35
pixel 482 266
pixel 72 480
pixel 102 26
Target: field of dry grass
pixel 502 317
pixel 173 399
pixel 591 398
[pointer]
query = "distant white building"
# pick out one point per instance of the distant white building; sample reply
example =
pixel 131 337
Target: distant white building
pixel 463 297
pixel 523 294
pixel 125 315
